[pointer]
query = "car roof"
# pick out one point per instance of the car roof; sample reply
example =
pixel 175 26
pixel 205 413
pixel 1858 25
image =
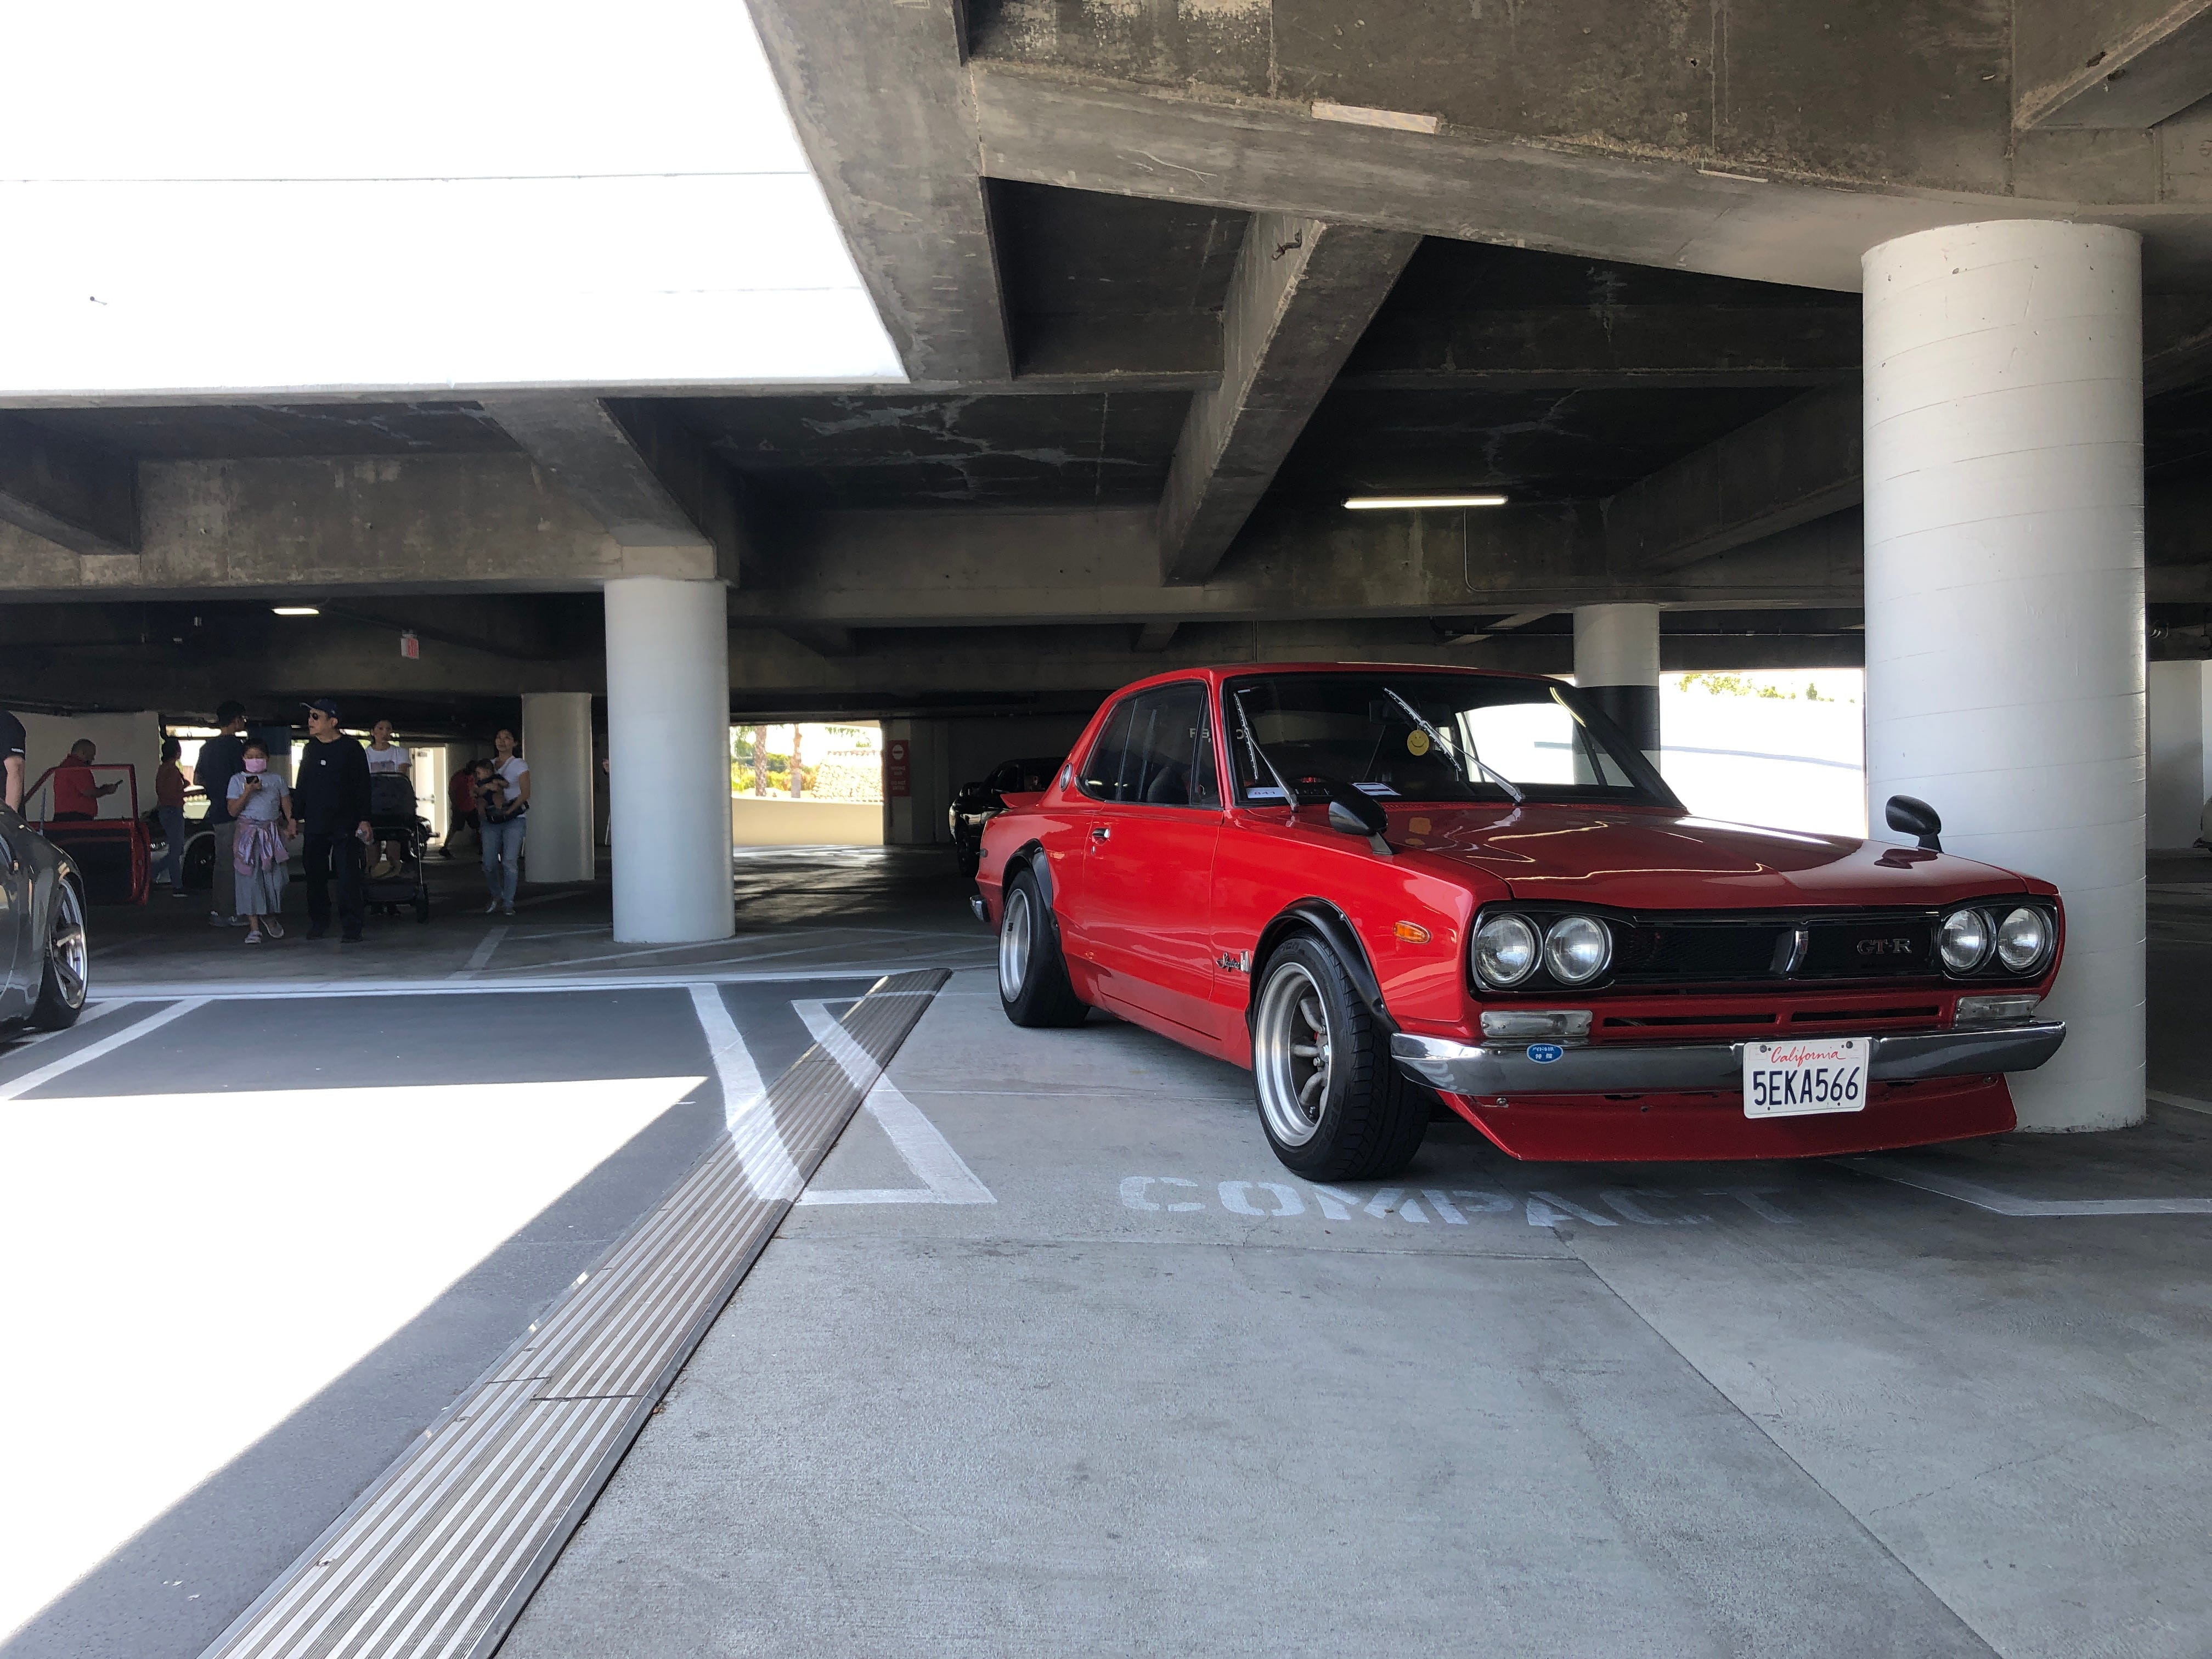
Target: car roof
pixel 1213 675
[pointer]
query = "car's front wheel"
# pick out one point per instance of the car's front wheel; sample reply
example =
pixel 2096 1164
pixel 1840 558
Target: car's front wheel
pixel 1334 1103
pixel 1033 986
pixel 66 975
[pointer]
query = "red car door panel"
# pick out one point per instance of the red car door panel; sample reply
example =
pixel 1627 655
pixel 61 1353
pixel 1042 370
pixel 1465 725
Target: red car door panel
pixel 1144 913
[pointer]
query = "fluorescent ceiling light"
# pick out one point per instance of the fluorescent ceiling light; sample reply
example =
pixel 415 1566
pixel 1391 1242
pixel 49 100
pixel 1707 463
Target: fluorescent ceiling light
pixel 297 610
pixel 1363 503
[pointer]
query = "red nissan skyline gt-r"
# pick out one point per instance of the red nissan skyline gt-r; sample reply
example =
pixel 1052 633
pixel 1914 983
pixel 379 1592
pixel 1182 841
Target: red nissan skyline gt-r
pixel 1367 883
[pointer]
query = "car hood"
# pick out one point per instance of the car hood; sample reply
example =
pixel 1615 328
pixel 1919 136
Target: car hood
pixel 1643 858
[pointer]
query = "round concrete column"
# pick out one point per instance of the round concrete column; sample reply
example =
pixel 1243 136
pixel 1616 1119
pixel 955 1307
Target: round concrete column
pixel 556 741
pixel 2004 597
pixel 668 737
pixel 1617 659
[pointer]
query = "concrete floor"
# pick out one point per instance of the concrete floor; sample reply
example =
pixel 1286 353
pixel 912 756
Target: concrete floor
pixel 1156 1394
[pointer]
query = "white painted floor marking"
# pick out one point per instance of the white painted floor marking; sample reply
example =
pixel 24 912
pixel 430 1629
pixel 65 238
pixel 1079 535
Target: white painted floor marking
pixel 480 958
pixel 1544 1211
pixel 745 1109
pixel 2187 1102
pixel 17 1042
pixel 947 1178
pixel 1133 1192
pixel 1627 1202
pixel 1997 1203
pixel 108 1045
pixel 1233 1199
pixel 299 990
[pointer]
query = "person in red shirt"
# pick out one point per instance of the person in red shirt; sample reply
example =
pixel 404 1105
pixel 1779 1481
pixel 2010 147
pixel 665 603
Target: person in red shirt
pixel 463 791
pixel 77 797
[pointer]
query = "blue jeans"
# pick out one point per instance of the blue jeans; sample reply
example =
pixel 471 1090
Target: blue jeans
pixel 173 838
pixel 502 857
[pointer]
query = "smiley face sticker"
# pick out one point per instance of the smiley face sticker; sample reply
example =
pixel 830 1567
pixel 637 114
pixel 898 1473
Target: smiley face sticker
pixel 1417 742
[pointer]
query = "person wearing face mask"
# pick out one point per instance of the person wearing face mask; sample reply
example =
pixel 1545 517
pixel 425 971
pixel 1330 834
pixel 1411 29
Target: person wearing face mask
pixel 261 806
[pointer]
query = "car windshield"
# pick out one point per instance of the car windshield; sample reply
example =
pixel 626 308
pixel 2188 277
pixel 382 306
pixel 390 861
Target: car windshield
pixel 1426 736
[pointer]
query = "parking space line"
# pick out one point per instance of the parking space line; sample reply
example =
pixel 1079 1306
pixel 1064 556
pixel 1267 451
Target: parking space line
pixel 746 1112
pixel 1997 1203
pixel 2187 1102
pixel 441 1553
pixel 108 1045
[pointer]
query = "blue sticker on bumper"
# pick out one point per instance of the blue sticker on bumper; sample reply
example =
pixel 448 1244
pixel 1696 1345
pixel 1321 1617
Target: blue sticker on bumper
pixel 1545 1053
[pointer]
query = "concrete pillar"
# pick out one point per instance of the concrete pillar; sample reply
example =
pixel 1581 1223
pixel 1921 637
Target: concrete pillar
pixel 2004 597
pixel 668 734
pixel 556 741
pixel 917 783
pixel 1617 659
pixel 2178 720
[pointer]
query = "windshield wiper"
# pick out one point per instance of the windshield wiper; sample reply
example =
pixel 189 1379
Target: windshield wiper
pixel 1437 738
pixel 1349 811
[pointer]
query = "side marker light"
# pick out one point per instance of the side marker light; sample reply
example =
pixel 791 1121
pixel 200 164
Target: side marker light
pixel 1411 931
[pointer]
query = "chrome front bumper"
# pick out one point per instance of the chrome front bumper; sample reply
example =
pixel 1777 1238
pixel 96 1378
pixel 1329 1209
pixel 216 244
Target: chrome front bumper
pixel 1504 1068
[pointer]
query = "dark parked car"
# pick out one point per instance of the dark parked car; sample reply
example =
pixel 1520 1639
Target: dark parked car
pixel 974 804
pixel 44 954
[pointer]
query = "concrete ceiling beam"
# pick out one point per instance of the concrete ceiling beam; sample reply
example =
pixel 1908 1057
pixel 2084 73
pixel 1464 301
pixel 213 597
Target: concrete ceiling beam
pixel 73 495
pixel 1302 293
pixel 577 441
pixel 366 526
pixel 880 101
pixel 1058 126
pixel 2108 63
pixel 1147 637
pixel 1800 462
pixel 1604 347
pixel 498 628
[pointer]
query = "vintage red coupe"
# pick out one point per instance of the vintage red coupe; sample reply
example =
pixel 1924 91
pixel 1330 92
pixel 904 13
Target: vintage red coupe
pixel 1377 886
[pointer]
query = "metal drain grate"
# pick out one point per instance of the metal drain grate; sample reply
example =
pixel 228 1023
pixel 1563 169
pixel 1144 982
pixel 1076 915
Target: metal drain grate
pixel 439 1555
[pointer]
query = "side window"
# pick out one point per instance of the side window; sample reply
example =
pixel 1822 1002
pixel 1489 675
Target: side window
pixel 1155 750
pixel 1102 771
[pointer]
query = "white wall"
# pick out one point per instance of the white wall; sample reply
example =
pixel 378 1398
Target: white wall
pixel 1783 763
pixel 135 739
pixel 2179 718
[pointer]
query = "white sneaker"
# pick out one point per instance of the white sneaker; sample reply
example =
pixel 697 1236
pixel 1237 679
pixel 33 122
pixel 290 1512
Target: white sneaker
pixel 492 909
pixel 507 909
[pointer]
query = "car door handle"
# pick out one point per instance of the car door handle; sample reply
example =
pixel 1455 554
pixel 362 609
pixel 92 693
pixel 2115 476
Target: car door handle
pixel 1100 832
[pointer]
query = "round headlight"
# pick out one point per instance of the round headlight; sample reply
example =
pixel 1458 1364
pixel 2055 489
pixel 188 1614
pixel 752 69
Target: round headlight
pixel 1504 951
pixel 1964 939
pixel 1576 949
pixel 2023 939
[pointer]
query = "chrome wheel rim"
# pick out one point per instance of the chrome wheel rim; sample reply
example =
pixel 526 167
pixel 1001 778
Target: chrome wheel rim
pixel 1292 1054
pixel 66 954
pixel 1014 945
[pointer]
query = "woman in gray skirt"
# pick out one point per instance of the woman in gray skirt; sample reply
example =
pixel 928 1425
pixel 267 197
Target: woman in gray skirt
pixel 262 807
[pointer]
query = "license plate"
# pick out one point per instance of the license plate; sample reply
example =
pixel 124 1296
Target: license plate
pixel 1790 1079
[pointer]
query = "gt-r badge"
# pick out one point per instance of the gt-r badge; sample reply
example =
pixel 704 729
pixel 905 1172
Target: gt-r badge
pixel 1545 1053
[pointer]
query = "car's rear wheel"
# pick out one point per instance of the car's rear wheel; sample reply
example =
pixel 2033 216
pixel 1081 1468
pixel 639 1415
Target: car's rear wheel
pixel 1334 1103
pixel 66 975
pixel 1033 986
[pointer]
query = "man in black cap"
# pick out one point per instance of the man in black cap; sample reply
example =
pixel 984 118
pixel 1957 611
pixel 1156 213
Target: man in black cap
pixel 331 799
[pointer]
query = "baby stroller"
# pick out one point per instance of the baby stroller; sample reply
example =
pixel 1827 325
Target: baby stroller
pixel 394 822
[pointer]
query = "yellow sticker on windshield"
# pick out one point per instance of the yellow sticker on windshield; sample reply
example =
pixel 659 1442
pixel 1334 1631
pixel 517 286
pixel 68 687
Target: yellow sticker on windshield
pixel 1417 742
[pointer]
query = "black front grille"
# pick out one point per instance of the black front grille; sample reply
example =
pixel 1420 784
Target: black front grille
pixel 1872 948
pixel 1696 951
pixel 1733 950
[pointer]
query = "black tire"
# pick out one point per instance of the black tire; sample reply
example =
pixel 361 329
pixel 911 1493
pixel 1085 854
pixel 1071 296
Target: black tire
pixel 1033 986
pixel 1340 1109
pixel 199 864
pixel 65 975
pixel 969 859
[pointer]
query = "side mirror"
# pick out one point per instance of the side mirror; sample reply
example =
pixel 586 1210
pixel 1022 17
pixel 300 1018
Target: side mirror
pixel 1909 817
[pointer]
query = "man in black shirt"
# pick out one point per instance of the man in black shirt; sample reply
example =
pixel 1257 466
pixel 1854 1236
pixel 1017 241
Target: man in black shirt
pixel 12 742
pixel 331 799
pixel 223 757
